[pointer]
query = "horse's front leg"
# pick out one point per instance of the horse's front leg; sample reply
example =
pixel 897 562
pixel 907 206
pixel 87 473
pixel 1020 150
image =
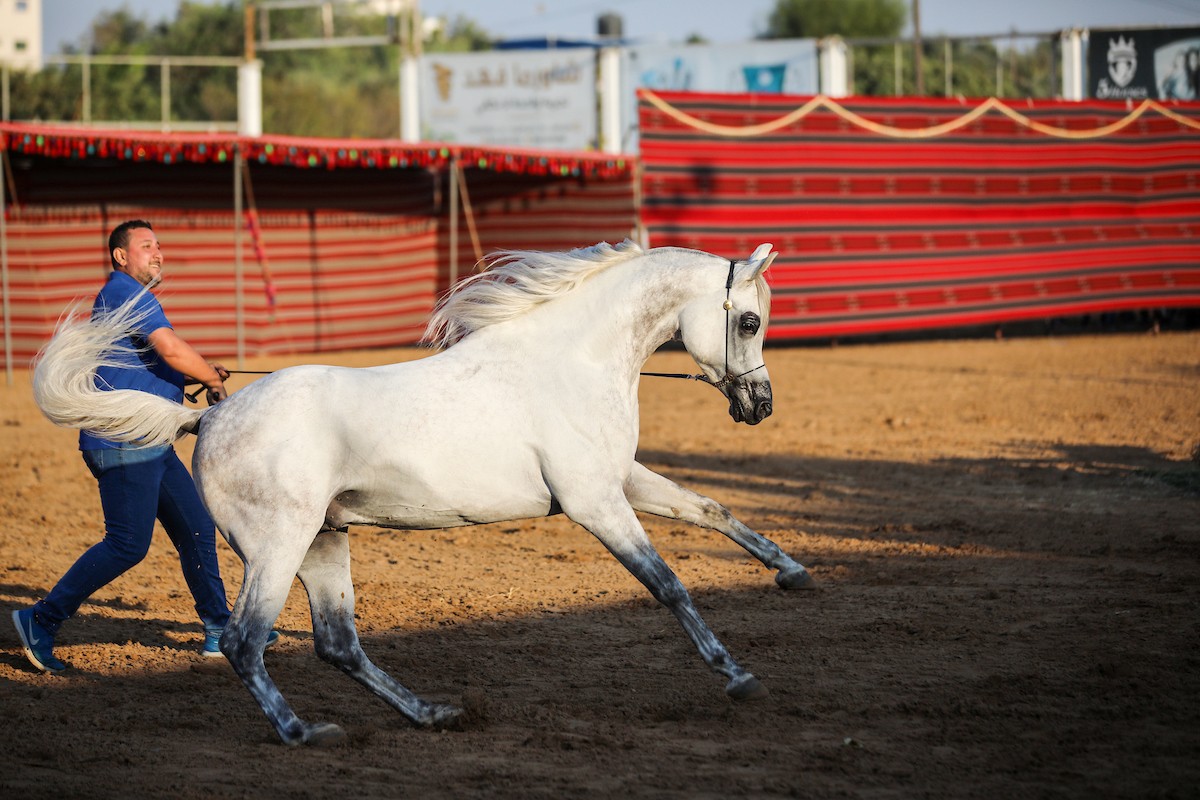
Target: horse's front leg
pixel 613 522
pixel 652 493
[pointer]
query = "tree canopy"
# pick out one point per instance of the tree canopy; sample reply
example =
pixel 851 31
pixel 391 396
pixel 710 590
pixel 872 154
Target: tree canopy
pixel 813 19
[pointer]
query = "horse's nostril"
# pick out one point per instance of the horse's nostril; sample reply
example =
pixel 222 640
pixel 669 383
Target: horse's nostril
pixel 764 409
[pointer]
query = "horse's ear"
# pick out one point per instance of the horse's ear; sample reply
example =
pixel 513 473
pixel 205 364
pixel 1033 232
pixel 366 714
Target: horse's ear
pixel 760 252
pixel 760 260
pixel 766 264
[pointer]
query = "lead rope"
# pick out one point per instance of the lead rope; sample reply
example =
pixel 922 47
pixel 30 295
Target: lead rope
pixel 727 305
pixel 193 395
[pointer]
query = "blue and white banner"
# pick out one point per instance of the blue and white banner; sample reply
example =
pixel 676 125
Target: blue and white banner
pixel 778 66
pixel 543 99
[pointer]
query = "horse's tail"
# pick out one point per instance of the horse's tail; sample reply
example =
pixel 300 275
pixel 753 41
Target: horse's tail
pixel 64 382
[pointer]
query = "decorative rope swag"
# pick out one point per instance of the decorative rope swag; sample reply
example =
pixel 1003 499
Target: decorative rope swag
pixel 991 104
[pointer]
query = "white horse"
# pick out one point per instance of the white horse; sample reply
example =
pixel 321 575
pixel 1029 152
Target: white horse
pixel 531 409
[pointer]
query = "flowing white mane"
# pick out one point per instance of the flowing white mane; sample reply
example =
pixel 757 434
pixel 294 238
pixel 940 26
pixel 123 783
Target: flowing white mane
pixel 514 282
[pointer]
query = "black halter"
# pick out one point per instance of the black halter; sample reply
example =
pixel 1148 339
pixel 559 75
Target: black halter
pixel 727 379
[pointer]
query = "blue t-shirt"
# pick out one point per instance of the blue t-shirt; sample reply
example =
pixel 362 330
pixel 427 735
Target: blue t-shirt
pixel 143 371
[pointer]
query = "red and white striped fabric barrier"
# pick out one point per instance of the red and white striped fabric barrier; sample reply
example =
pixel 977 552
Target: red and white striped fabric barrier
pixel 903 214
pixel 339 284
pixel 345 244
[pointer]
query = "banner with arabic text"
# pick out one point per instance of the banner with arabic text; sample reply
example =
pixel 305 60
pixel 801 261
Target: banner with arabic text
pixel 525 98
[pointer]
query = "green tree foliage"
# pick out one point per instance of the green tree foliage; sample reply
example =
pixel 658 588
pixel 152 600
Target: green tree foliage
pixel 202 93
pixel 55 93
pixel 121 93
pixel 459 35
pixel 340 91
pixel 977 68
pixel 812 19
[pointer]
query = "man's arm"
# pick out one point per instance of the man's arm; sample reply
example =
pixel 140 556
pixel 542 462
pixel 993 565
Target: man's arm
pixel 182 357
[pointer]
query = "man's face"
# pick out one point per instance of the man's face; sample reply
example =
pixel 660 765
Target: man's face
pixel 141 259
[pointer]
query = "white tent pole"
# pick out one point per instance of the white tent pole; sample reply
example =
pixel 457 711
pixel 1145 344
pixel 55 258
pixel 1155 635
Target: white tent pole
pixel 8 355
pixel 239 312
pixel 453 221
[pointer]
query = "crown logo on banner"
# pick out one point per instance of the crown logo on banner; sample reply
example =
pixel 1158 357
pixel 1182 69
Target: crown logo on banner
pixel 1122 60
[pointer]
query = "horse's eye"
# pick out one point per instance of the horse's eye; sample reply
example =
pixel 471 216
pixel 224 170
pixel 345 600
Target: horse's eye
pixel 749 323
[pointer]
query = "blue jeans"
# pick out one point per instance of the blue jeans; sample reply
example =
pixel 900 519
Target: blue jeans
pixel 137 486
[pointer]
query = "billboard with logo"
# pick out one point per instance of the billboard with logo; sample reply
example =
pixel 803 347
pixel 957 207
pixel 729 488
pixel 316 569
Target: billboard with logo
pixel 784 66
pixel 1141 64
pixel 519 98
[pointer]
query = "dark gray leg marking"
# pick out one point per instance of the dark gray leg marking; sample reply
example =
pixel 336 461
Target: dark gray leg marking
pixel 326 576
pixel 651 493
pixel 617 527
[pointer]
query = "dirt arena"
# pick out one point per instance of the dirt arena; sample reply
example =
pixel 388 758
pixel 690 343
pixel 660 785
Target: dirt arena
pixel 1006 536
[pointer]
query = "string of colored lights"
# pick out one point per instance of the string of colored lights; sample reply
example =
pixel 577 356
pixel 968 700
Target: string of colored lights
pixel 75 143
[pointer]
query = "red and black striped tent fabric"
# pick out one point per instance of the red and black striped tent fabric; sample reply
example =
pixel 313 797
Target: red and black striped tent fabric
pixel 906 214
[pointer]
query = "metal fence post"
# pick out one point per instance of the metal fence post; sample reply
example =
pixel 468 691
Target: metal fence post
pixel 899 76
pixel 87 91
pixel 949 67
pixel 165 93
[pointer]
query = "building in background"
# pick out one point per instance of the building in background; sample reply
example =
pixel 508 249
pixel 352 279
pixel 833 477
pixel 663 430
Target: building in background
pixel 21 34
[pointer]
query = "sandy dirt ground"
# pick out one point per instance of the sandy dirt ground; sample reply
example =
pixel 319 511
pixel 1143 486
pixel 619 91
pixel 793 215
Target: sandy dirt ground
pixel 1006 536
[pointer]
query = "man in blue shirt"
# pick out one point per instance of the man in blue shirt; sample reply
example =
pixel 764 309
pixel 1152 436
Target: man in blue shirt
pixel 139 484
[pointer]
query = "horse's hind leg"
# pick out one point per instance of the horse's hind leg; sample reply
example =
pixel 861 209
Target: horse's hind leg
pixel 652 493
pixel 326 576
pixel 263 594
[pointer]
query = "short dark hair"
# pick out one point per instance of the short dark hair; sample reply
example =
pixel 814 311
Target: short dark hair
pixel 120 237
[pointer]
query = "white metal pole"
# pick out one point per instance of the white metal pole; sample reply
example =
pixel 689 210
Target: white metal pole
pixel 831 56
pixel 410 106
pixel 610 99
pixel 249 91
pixel 1072 64
pixel 410 73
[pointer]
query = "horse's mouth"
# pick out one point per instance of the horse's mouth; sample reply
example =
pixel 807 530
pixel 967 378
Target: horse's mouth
pixel 750 403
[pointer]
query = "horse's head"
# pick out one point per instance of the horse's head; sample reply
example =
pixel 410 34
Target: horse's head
pixel 723 331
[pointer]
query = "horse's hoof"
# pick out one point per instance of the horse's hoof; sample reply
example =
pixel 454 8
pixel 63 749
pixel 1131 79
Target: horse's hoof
pixel 443 717
pixel 324 734
pixel 747 687
pixel 796 578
